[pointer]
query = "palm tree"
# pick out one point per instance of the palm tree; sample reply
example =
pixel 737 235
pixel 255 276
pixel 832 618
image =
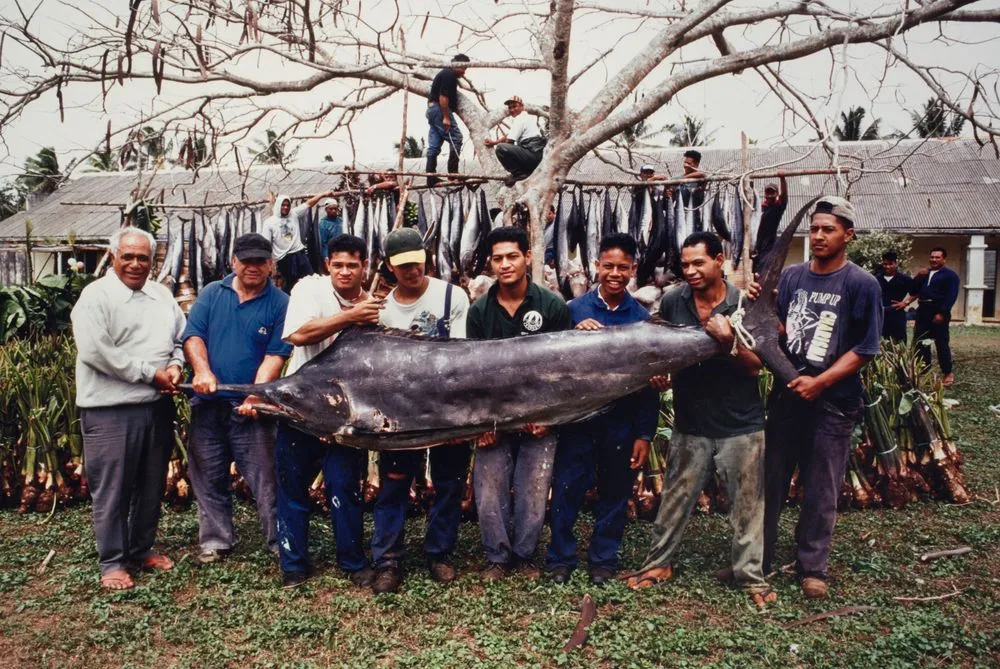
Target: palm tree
pixel 692 132
pixel 271 151
pixel 413 149
pixel 11 198
pixel 934 120
pixel 851 122
pixel 102 161
pixel 41 172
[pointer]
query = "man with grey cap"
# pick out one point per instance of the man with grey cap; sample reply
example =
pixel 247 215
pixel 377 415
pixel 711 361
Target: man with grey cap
pixel 233 335
pixel 830 313
pixel 331 225
pixel 431 308
pixel 128 361
pixel 520 150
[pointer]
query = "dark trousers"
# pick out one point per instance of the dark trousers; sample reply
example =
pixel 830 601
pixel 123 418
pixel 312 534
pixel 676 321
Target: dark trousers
pixel 449 468
pixel 925 329
pixel 293 267
pixel 894 325
pixel 126 449
pixel 298 458
pixel 437 135
pixel 521 159
pixel 596 450
pixel 816 436
pixel 219 437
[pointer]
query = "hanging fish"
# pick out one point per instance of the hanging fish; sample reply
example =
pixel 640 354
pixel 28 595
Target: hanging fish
pixel 193 255
pixel 718 217
pixel 421 215
pixel 177 256
pixel 225 247
pixel 680 233
pixel 484 208
pixel 735 224
pixel 165 266
pixel 657 243
pixel 607 215
pixel 561 237
pixel 358 226
pixel 371 236
pixel 593 237
pixel 253 220
pixel 635 213
pixel 755 216
pixel 209 255
pixel 444 235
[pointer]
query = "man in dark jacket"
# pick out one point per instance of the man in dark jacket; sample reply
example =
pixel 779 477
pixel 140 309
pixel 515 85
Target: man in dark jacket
pixel 895 287
pixel 937 289
pixel 609 448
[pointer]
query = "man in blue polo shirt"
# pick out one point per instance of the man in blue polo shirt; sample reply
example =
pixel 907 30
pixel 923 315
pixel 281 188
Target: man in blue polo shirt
pixel 233 335
pixel 608 448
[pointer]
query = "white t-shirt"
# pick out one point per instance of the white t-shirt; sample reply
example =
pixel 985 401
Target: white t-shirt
pixel 313 297
pixel 284 232
pixel 522 127
pixel 422 316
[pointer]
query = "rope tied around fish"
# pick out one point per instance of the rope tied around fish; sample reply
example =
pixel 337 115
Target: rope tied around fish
pixel 741 334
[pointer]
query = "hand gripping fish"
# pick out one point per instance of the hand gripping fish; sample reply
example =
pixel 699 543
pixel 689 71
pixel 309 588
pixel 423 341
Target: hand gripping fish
pixel 390 390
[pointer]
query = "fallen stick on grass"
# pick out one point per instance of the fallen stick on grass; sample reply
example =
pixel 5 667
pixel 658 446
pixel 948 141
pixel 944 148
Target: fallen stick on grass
pixel 951 552
pixel 587 615
pixel 845 611
pixel 935 598
pixel 45 563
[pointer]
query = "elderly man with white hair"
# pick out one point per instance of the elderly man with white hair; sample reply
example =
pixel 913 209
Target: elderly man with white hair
pixel 129 360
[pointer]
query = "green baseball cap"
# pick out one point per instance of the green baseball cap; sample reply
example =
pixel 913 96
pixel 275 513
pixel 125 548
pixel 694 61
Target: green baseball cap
pixel 403 246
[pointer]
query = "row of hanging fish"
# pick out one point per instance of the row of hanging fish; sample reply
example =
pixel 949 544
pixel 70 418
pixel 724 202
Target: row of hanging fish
pixel 658 218
pixel 200 245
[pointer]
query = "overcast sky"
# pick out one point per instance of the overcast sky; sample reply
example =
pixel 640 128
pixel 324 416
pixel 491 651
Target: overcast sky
pixel 730 104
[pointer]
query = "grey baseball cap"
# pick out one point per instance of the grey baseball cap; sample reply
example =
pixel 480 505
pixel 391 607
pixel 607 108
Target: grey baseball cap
pixel 836 205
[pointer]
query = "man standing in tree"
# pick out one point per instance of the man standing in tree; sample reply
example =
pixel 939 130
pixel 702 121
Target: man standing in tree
pixel 513 307
pixel 608 448
pixel 895 287
pixel 718 427
pixel 431 308
pixel 772 210
pixel 442 105
pixel 233 335
pixel 831 317
pixel 319 308
pixel 520 150
pixel 128 340
pixel 936 286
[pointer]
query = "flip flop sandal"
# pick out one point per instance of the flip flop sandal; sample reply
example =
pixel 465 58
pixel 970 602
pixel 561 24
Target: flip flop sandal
pixel 157 562
pixel 117 580
pixel 645 580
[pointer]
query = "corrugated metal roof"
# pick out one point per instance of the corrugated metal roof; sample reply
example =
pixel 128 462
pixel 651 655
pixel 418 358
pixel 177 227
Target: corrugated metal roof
pixel 944 186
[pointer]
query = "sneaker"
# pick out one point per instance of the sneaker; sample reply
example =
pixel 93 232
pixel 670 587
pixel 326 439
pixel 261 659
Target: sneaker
pixel 601 575
pixel 442 572
pixel 293 579
pixel 724 575
pixel 362 578
pixel 560 574
pixel 526 567
pixel 388 579
pixel 814 588
pixel 494 571
pixel 211 556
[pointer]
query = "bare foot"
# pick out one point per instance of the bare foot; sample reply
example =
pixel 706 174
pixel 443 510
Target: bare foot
pixel 157 562
pixel 650 577
pixel 118 579
pixel 948 381
pixel 762 599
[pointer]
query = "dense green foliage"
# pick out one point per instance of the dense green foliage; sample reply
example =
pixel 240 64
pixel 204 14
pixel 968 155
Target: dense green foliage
pixel 866 250
pixel 41 308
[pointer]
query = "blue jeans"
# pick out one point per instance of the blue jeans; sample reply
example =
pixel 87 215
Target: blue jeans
pixel 437 135
pixel 220 436
pixel 511 528
pixel 599 449
pixel 449 466
pixel 298 458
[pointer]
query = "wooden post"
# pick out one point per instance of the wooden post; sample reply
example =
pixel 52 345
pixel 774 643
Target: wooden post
pixel 406 104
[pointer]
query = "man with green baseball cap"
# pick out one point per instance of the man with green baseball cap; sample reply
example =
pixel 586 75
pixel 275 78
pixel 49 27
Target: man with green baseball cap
pixel 432 308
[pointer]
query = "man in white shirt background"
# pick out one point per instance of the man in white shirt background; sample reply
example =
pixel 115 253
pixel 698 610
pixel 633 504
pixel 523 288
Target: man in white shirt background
pixel 432 308
pixel 520 150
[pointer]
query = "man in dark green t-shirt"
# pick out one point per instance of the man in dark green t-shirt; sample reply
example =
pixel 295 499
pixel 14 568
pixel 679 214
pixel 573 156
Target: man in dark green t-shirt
pixel 514 306
pixel 718 424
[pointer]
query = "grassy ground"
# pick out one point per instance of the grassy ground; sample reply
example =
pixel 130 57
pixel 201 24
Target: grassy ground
pixel 235 615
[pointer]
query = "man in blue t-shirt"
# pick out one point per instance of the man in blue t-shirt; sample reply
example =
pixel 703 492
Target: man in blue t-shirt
pixel 609 448
pixel 831 318
pixel 331 225
pixel 233 335
pixel 442 104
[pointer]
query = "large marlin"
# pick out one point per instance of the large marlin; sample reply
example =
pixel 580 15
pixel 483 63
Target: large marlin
pixel 390 390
